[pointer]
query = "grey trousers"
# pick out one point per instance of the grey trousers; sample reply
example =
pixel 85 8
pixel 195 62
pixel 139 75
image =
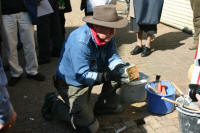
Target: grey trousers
pixel 11 24
pixel 195 4
pixel 78 110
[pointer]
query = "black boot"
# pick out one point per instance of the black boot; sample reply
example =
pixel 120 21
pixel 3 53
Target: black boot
pixel 47 106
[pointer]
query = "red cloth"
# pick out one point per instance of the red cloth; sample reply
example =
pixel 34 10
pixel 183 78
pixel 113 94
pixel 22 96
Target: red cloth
pixel 98 41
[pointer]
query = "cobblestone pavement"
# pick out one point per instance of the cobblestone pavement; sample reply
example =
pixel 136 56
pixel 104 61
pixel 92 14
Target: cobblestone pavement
pixel 170 58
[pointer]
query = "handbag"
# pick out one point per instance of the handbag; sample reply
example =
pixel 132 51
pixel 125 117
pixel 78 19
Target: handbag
pixel 148 12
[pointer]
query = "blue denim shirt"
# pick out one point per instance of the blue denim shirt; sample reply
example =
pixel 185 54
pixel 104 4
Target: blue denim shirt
pixel 82 60
pixel 6 109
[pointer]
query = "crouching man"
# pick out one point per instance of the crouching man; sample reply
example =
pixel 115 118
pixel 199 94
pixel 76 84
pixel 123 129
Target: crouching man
pixel 89 57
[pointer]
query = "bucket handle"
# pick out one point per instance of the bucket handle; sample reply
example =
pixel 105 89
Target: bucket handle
pixel 179 104
pixel 177 88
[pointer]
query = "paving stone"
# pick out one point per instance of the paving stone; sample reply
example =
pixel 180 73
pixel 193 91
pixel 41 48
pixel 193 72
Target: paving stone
pixel 176 122
pixel 134 130
pixel 172 115
pixel 147 129
pixel 118 125
pixel 169 122
pixel 130 123
pixel 155 124
pixel 167 129
pixel 158 118
pixel 147 119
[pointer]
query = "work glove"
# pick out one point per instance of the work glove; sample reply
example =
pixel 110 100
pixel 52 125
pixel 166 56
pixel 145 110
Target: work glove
pixel 118 74
pixel 194 89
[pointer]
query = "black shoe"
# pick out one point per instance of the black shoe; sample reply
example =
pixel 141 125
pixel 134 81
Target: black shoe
pixel 47 106
pixel 13 81
pixel 146 51
pixel 41 62
pixel 38 77
pixel 136 50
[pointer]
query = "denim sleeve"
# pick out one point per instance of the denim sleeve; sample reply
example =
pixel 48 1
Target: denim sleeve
pixel 6 108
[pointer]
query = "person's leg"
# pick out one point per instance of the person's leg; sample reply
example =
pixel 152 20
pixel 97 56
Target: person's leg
pixel 139 38
pixel 138 49
pixel 150 31
pixel 196 36
pixel 81 111
pixel 108 101
pixel 55 109
pixel 78 111
pixel 62 22
pixel 148 42
pixel 27 37
pixel 10 37
pixel 44 43
pixel 147 50
pixel 195 4
pixel 56 35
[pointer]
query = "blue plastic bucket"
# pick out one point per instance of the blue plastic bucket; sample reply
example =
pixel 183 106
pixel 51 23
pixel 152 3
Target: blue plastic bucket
pixel 154 102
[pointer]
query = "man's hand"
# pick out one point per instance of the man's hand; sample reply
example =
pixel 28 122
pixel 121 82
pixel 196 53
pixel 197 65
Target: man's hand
pixel 10 123
pixel 198 98
pixel 194 90
pixel 118 74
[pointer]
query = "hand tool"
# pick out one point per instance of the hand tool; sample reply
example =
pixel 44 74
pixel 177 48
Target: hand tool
pixel 178 89
pixel 157 81
pixel 179 104
pixel 163 89
pixel 152 89
pixel 181 93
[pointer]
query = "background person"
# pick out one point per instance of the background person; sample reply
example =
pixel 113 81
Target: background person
pixel 64 7
pixel 195 4
pixel 7 113
pixel 147 16
pixel 88 5
pixel 16 18
pixel 48 31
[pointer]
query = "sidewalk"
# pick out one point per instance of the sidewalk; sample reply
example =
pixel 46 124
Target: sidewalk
pixel 170 58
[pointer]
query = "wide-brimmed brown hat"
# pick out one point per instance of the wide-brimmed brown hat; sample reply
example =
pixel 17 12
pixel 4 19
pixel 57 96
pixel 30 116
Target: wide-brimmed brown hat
pixel 106 16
